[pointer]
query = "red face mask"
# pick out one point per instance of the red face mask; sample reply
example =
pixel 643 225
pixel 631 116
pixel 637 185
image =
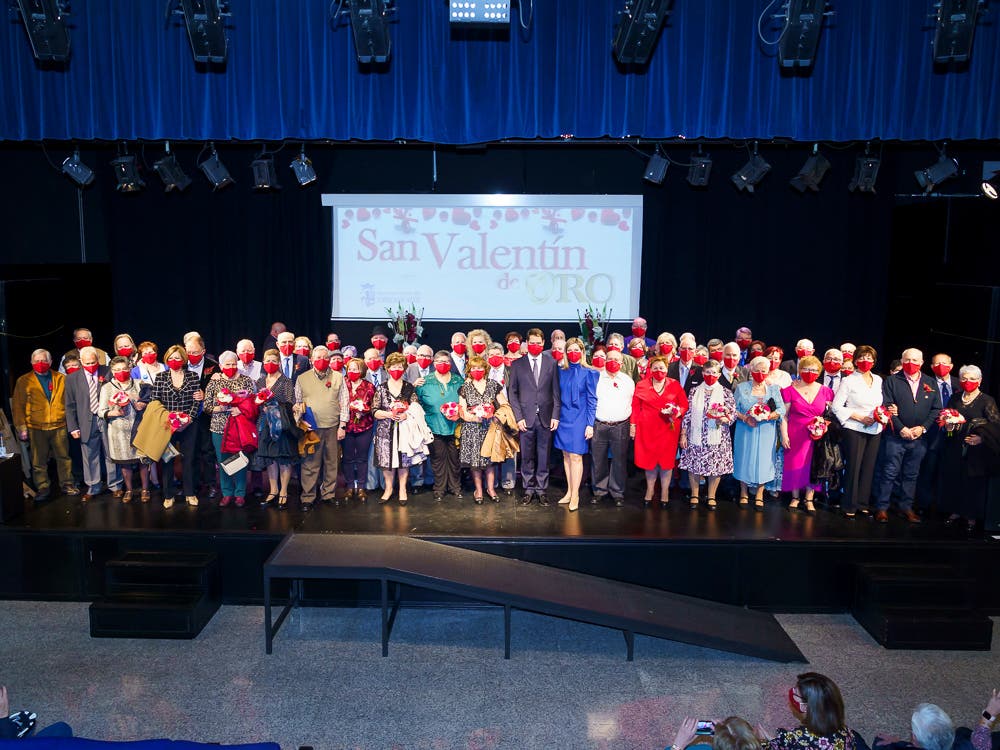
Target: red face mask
pixel 477 373
pixel 149 357
pixel 195 359
pixel 379 343
pixel 613 367
pixel 246 357
pixel 411 358
pixel 321 364
pixel 614 347
pixel 848 355
pixel 730 361
pixel 574 357
pixel 286 349
pixel 686 355
pixel 809 377
pixel 711 378
pixel 90 368
pixel 424 362
pixel 374 364
pixel 72 368
pixel 332 344
pixel 774 364
pixel 270 367
pixel 666 349
pixel 743 344
pixel 174 364
pixel 229 372
pixel 336 364
pixel 637 353
pixel 459 349
pixel 442 368
pixel 863 365
pixel 534 349
pixel 353 375
pixel 303 350
pixel 122 376
pixel 396 373
pixel 495 361
pixel 832 367
pixel 42 367
pixel 479 347
pixel 970 385
pixel 83 342
pixel 599 361
pixel 638 332
pixel 513 346
pixel 658 375
pixel 557 355
pixel 125 351
pixel 800 353
pixel 941 370
pixel 758 377
pixel 700 359
pixel 717 356
pixel 911 368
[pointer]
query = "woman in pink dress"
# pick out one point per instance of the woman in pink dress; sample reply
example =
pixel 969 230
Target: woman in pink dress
pixel 805 399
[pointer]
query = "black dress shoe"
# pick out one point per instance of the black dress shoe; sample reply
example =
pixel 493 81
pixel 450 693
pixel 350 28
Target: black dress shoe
pixel 619 502
pixel 595 499
pixel 526 499
pixel 42 496
pixel 458 495
pixel 438 497
pixel 212 493
pixel 543 499
pixel 306 507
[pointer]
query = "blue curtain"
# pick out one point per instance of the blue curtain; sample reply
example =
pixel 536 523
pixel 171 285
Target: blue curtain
pixel 290 76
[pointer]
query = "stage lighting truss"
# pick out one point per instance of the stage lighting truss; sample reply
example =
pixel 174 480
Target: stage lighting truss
pixel 941 170
pixel 751 173
pixel 812 172
pixel 171 173
pixel 45 22
pixel 76 170
pixel 265 178
pixel 206 27
pixel 699 170
pixel 370 21
pixel 302 168
pixel 215 170
pixel 954 28
pixel 865 172
pixel 801 26
pixel 991 179
pixel 638 29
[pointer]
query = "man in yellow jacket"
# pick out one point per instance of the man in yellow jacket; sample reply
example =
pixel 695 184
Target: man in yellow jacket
pixel 40 418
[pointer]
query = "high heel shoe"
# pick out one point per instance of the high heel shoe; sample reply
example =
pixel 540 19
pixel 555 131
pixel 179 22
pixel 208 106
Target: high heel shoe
pixel 403 499
pixel 266 502
pixel 794 504
pixel 693 502
pixel 758 505
pixel 478 498
pixel 282 501
pixel 494 496
pixel 574 504
pixel 385 498
pixel 810 508
pixel 710 502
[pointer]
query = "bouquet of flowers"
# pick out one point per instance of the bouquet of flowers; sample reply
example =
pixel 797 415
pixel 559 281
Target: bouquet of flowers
pixel 450 410
pixel 178 419
pixel 760 411
pixel 593 325
pixel 263 395
pixel 882 416
pixel 119 399
pixel 817 427
pixel 483 411
pixel 357 405
pixel 405 325
pixel 398 407
pixel 225 397
pixel 950 420
pixel 671 411
pixel 717 411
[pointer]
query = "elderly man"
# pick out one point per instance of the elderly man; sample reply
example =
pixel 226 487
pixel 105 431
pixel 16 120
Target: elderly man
pixel 459 357
pixel 271 342
pixel 247 365
pixel 380 340
pixel 557 340
pixel 39 411
pixel 684 370
pixel 847 350
pixel 616 341
pixel 947 385
pixel 639 328
pixel 914 401
pixel 732 374
pixel 82 397
pixel 82 337
pixel 744 336
pixel 290 364
pixel 803 348
pixel 930 729
pixel 322 392
pixel 204 367
pixel 420 370
pixel 611 432
pixel 833 361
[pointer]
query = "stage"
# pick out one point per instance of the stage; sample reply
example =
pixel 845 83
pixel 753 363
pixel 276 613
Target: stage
pixel 777 559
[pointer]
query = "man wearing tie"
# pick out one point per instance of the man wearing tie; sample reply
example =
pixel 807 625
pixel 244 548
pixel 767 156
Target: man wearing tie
pixel 292 365
pixel 458 356
pixel 82 398
pixel 420 370
pixel 947 384
pixel 833 360
pixel 684 370
pixel 743 338
pixel 204 452
pixel 732 374
pixel 376 375
pixel 534 395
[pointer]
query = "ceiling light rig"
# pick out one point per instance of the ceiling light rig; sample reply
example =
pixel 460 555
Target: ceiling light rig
pixel 370 21
pixel 700 169
pixel 812 172
pixel 265 178
pixel 302 168
pixel 801 27
pixel 751 173
pixel 171 173
pixel 206 27
pixel 954 29
pixel 74 168
pixel 45 22
pixel 991 179
pixel 215 171
pixel 866 169
pixel 941 170
pixel 126 172
pixel 638 30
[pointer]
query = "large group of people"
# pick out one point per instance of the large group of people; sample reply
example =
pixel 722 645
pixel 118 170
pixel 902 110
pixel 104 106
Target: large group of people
pixel 736 417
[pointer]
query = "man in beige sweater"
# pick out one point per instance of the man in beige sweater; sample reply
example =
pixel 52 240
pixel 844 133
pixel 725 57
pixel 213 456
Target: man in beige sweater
pixel 321 391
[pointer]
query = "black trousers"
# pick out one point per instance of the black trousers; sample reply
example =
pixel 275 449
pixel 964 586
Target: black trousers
pixel 861 453
pixel 536 445
pixel 610 474
pixel 445 464
pixel 185 442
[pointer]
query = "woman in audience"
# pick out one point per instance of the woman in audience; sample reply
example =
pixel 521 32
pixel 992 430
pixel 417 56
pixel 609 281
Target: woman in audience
pixel 436 391
pixel 666 346
pixel 755 442
pixel 512 341
pixel 478 398
pixel 233 486
pixel 179 390
pixel 733 733
pixel 817 705
pixel 117 406
pixel 658 405
pixel 478 341
pixel 359 430
pixel 805 400
pixel 854 406
pixel 147 368
pixel 302 346
pixel 391 401
pixel 705 441
pixel 637 350
pixel 125 347
pixel 277 450
pixel 578 396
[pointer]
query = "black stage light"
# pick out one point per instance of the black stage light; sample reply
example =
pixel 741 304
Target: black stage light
pixel 45 21
pixel 656 168
pixel 638 29
pixel 215 170
pixel 800 35
pixel 991 179
pixel 77 171
pixel 812 172
pixel 865 173
pixel 699 171
pixel 171 173
pixel 751 173
pixel 369 22
pixel 206 28
pixel 932 176
pixel 479 12
pixel 302 167
pixel 127 174
pixel 264 176
pixel 954 29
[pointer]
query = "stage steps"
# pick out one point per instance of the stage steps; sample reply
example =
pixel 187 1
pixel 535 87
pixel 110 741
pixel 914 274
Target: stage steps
pixel 157 595
pixel 920 607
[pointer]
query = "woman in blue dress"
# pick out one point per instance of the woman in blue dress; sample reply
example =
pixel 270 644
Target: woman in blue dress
pixel 756 440
pixel 578 386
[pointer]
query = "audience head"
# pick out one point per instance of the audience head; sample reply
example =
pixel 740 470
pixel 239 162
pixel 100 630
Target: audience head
pixel 124 346
pixel 932 728
pixel 847 368
pixel 82 337
pixel 658 369
pixel 666 344
pixel 804 348
pixel 735 733
pixel 639 327
pixel 277 327
pixel 148 352
pixel 824 712
pixel 743 337
pixel 303 345
pixel 711 371
pixel 71 361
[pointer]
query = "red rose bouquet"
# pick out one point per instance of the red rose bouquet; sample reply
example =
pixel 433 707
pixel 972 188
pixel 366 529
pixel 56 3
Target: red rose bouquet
pixel 760 411
pixel 119 399
pixel 483 411
pixel 398 407
pixel 225 397
pixel 817 427
pixel 717 411
pixel 881 415
pixel 178 419
pixel 450 410
pixel 950 420
pixel 264 395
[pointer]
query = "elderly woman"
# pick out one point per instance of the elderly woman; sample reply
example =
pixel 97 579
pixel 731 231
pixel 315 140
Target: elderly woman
pixel 666 346
pixel 302 346
pixel 854 405
pixel 783 380
pixel 277 450
pixel 437 390
pixel 932 729
pixel 966 459
pixel 759 407
pixel 598 357
pixel 578 393
pixel 658 405
pixel 233 486
pixel 359 429
pixel 391 401
pixel 706 443
pixel 117 405
pixel 816 704
pixel 179 390
pixel 637 350
pixel 477 399
pixel 478 341
pixel 124 346
pixel 805 400
pixel 148 366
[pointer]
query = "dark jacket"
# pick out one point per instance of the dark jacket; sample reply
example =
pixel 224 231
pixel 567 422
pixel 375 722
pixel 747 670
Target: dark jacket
pixel 78 414
pixel 530 401
pixel 922 411
pixel 694 375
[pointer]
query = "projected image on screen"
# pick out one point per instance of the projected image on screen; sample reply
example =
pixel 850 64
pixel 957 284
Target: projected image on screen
pixel 486 257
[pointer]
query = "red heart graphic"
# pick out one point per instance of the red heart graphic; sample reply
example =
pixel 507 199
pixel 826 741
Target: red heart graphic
pixel 460 216
pixel 474 226
pixel 364 214
pixel 429 213
pixel 577 214
pixel 609 217
pixel 510 214
pixel 623 226
pixel 345 224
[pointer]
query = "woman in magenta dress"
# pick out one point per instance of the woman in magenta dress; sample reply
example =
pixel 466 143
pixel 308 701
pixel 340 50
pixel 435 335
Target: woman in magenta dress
pixel 805 399
pixel 658 405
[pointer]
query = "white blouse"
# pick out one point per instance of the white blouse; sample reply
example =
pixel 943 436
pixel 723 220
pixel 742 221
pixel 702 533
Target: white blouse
pixel 855 395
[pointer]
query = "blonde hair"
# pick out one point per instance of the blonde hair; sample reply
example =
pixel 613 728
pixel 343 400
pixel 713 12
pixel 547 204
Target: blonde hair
pixel 564 363
pixel 478 332
pixel 176 349
pixel 810 361
pixel 735 734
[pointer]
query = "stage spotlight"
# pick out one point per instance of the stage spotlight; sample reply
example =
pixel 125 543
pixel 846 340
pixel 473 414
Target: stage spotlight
pixel 369 22
pixel 656 168
pixel 943 169
pixel 171 173
pixel 215 170
pixel 77 171
pixel 865 173
pixel 264 176
pixel 205 27
pixel 751 173
pixel 638 29
pixel 954 29
pixel 302 167
pixel 991 179
pixel 127 174
pixel 800 35
pixel 478 13
pixel 811 173
pixel 45 21
pixel 700 169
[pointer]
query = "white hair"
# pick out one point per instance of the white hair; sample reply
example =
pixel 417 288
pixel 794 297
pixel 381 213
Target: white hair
pixel 668 337
pixel 86 351
pixel 730 346
pixel 241 342
pixel 917 352
pixel 37 352
pixel 228 356
pixel 190 335
pixel 757 362
pixel 932 728
pixel 972 371
pixel 834 352
pixel 805 344
pixel 688 337
pixel 616 337
pixel 318 351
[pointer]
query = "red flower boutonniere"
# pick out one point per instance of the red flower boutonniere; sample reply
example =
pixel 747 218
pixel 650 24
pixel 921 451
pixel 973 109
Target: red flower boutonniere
pixel 50 386
pixel 100 379
pixel 329 384
pixel 614 383
pixel 927 388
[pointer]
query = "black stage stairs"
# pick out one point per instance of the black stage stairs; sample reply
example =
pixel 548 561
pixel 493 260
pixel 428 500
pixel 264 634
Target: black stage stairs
pixel 157 595
pixel 398 561
pixel 920 607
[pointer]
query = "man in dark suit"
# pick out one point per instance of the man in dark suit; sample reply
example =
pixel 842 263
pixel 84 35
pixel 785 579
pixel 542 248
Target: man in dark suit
pixel 291 364
pixel 684 370
pixel 533 392
pixel 271 342
pixel 459 358
pixel 422 369
pixel 914 400
pixel 947 384
pixel 731 374
pixel 803 348
pixel 83 389
pixel 204 367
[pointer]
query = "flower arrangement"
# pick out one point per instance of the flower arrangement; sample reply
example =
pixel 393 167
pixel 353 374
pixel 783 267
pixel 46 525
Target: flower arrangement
pixel 119 399
pixel 881 415
pixel 759 411
pixel 950 420
pixel 178 420
pixel 263 395
pixel 593 325
pixel 717 412
pixel 405 325
pixel 398 407
pixel 225 397
pixel 817 427
pixel 671 411
pixel 483 411
pixel 450 410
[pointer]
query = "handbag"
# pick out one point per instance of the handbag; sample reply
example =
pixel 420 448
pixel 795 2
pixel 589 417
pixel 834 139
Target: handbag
pixel 235 463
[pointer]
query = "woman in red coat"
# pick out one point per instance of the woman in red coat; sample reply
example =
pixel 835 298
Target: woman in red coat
pixel 657 407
